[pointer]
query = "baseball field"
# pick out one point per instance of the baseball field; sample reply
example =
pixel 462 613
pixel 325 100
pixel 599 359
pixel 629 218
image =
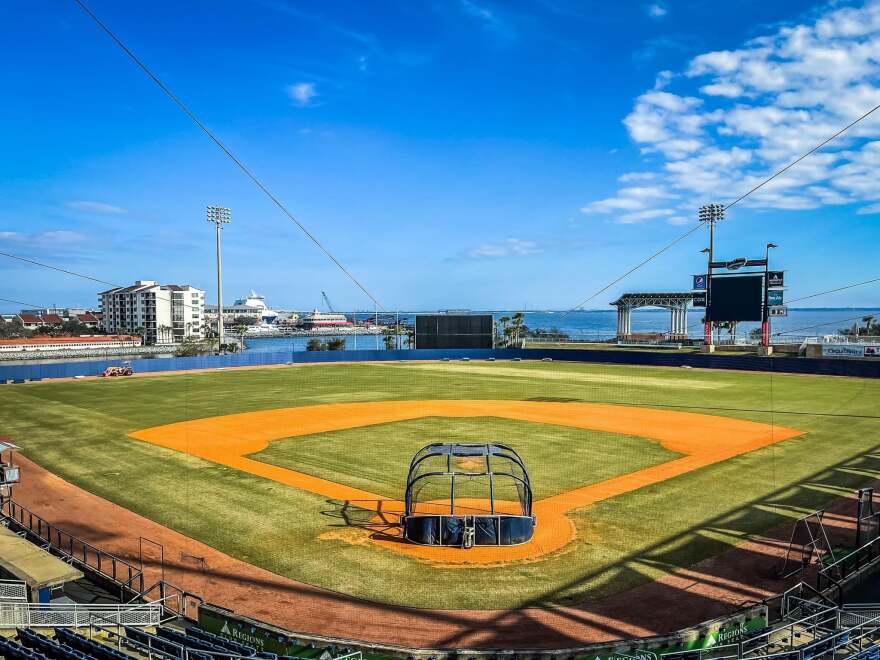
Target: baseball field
pixel 637 471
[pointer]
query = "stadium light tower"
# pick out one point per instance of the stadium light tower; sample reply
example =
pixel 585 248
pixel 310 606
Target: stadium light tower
pixel 219 215
pixel 710 214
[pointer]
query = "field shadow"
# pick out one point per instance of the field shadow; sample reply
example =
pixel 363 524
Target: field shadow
pixel 381 518
pixel 735 573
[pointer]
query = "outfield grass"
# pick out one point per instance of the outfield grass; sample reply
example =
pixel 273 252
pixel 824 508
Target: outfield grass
pixel 78 430
pixel 375 458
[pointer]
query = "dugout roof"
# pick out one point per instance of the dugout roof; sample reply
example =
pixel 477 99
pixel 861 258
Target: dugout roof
pixel 33 566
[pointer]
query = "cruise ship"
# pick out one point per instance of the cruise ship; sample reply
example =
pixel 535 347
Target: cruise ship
pixel 317 320
pixel 252 305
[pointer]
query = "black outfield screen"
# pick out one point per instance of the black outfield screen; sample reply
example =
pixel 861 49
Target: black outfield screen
pixel 454 331
pixel 736 298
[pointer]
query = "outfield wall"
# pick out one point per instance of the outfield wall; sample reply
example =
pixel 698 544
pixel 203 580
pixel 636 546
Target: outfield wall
pixel 720 632
pixel 830 367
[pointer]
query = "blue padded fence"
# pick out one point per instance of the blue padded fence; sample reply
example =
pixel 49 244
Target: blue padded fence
pixel 860 368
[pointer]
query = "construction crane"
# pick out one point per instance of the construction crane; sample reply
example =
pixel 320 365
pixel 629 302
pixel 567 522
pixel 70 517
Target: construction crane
pixel 327 302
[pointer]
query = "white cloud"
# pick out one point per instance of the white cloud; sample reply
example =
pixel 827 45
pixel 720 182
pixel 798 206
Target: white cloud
pixel 488 18
pixel 641 216
pixel 630 177
pixel 656 10
pixel 95 207
pixel 477 11
pixel 511 247
pixel 869 210
pixel 730 90
pixel 53 239
pixel 733 117
pixel 302 93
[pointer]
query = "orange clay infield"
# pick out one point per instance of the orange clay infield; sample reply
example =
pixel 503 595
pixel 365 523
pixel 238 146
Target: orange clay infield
pixel 701 440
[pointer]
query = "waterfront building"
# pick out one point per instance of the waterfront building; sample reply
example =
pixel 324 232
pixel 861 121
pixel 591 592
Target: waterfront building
pixel 164 313
pixel 55 344
pixel 30 321
pixel 55 316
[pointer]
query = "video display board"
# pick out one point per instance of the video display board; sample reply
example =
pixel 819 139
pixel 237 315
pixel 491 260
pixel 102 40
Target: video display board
pixel 736 298
pixel 454 331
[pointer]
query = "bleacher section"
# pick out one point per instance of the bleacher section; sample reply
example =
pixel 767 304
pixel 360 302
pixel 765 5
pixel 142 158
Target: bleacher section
pixel 48 647
pixel 87 646
pixel 12 651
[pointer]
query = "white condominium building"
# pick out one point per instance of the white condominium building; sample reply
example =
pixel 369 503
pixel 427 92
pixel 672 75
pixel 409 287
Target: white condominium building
pixel 164 313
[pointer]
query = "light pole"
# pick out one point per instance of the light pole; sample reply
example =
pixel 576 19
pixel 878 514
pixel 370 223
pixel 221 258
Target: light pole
pixel 710 214
pixel 765 325
pixel 220 216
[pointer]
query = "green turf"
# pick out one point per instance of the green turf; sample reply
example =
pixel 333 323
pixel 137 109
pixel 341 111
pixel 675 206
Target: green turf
pixel 78 430
pixel 376 458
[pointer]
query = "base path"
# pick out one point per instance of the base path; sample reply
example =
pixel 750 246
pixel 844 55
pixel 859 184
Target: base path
pixel 700 439
pixel 688 595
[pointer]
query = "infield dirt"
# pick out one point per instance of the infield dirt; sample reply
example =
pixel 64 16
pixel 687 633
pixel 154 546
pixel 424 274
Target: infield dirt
pixel 700 439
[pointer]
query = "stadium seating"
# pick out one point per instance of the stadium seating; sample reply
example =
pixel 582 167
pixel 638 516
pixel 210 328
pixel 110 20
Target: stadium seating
pixel 190 642
pixel 141 640
pixel 217 640
pixel 872 653
pixel 12 651
pixel 90 648
pixel 49 647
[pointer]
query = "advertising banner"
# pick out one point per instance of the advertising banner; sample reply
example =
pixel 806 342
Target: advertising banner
pixel 779 310
pixel 850 350
pixel 726 634
pixel 249 633
pixel 700 299
pixel 775 278
pixel 699 282
pixel 774 297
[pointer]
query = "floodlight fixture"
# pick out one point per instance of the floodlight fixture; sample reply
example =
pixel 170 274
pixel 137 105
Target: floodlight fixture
pixel 219 215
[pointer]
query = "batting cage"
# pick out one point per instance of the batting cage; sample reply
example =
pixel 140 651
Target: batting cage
pixel 467 495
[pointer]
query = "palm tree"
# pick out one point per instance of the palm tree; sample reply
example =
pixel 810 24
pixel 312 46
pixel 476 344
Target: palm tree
pixel 163 332
pixel 505 333
pixel 390 337
pixel 517 323
pixel 241 328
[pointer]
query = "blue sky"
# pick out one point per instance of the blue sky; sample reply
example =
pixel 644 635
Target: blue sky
pixel 457 153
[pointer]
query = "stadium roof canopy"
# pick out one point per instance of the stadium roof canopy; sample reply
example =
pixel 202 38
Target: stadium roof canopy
pixel 648 299
pixel 31 564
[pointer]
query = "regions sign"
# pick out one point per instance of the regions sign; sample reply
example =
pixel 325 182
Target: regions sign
pixel 260 636
pixel 850 350
pixel 727 634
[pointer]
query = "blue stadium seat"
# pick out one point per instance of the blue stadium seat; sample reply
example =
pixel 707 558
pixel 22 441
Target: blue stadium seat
pixel 47 646
pixel 239 649
pixel 155 643
pixel 12 651
pixel 191 642
pixel 88 647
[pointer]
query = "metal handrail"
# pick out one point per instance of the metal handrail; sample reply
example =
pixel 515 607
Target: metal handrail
pixel 75 615
pixel 20 585
pixel 65 544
